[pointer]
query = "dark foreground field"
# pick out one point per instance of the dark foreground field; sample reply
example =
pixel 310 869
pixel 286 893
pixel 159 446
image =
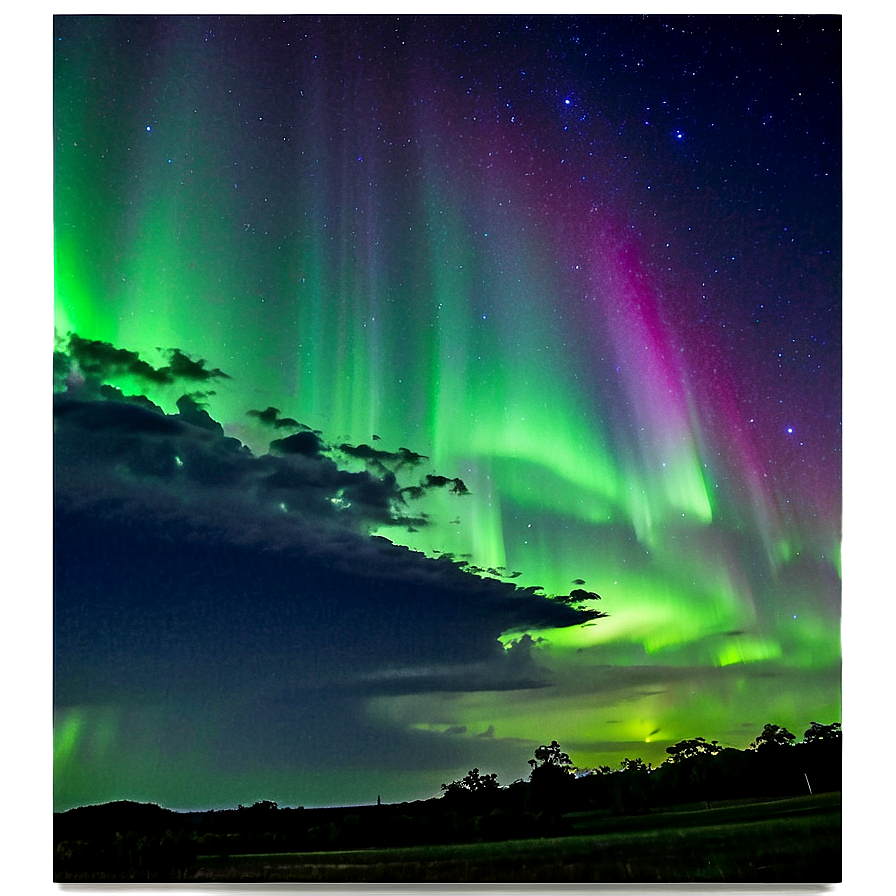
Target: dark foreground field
pixel 782 841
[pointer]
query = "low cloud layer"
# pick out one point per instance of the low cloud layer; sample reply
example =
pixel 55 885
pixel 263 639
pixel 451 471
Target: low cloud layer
pixel 189 569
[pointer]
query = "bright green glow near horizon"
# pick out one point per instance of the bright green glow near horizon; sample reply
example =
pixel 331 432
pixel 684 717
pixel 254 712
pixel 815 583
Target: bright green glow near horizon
pixel 747 650
pixel 654 714
pixel 95 764
pixel 66 734
pixel 600 715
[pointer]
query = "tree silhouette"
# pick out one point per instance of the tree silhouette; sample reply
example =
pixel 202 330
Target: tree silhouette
pixel 631 787
pixel 690 749
pixel 635 765
pixel 773 736
pixel 551 777
pixel 818 732
pixel 551 756
pixel 472 782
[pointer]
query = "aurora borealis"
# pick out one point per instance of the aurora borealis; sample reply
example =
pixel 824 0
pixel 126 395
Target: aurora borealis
pixel 588 267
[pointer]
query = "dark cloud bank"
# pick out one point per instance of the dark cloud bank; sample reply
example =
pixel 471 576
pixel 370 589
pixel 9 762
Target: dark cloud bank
pixel 248 587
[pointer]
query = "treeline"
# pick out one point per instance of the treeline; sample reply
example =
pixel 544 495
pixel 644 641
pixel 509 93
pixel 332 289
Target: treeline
pixel 697 772
pixel 702 772
pixel 144 842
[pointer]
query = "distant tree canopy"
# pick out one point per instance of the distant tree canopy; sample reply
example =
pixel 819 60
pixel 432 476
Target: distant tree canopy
pixel 550 756
pixel 635 765
pixel 689 749
pixel 816 732
pixel 472 782
pixel 773 736
pixel 551 777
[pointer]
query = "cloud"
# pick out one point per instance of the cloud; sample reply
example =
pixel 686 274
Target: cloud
pixel 383 460
pixel 190 411
pixel 192 571
pixel 307 444
pixel 99 360
pixel 270 416
pixel 125 456
pixel 182 367
pixel 508 669
pixel 456 485
pixel 113 417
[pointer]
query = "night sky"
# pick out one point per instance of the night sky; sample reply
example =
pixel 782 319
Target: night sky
pixel 385 345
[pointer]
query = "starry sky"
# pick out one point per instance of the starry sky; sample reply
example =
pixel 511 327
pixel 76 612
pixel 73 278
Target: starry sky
pixel 428 388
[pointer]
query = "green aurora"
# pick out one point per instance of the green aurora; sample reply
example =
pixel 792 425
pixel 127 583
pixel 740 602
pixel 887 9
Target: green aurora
pixel 385 271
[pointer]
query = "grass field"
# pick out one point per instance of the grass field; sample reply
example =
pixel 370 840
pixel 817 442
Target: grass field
pixel 782 841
